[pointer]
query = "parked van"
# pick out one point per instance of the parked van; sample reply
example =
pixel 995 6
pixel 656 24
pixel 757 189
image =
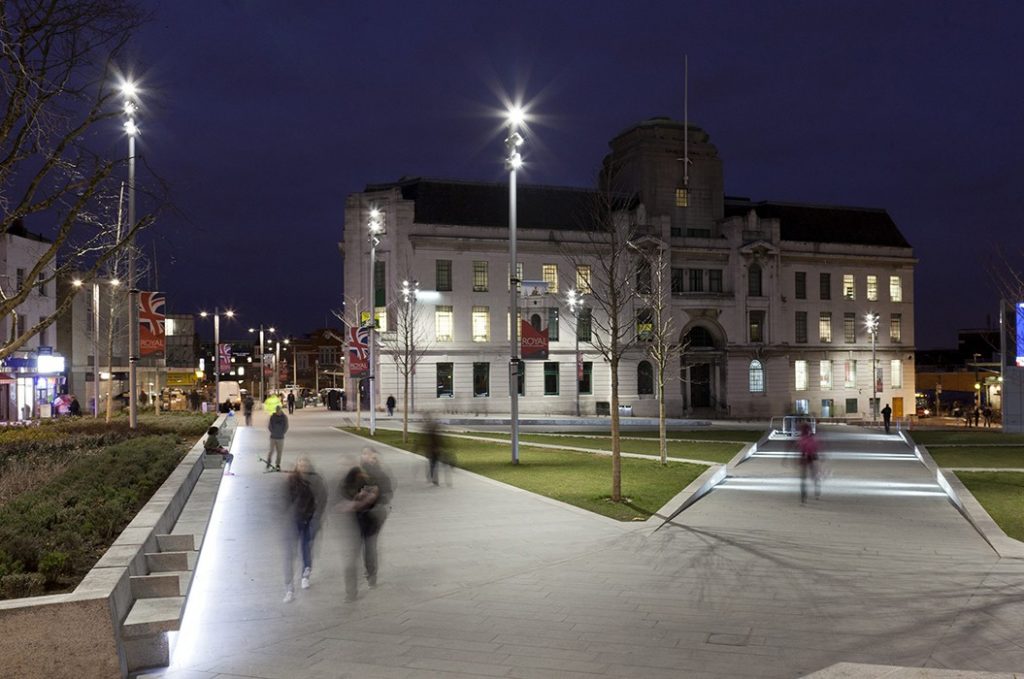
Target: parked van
pixel 229 391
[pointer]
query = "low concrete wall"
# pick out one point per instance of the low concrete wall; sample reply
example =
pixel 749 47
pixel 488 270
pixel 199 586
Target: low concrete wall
pixel 77 635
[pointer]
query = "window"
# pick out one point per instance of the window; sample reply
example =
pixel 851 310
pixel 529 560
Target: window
pixel 825 374
pixel 682 197
pixel 754 280
pixel 481 324
pixel 756 326
pixel 583 279
pixel 755 377
pixel 479 276
pixel 849 288
pixel 586 379
pixel 850 374
pixel 825 326
pixel 895 288
pixel 800 375
pixel 508 324
pixel 44 335
pixel 896 328
pixel 872 293
pixel 644 325
pixel 678 281
pixel 519 273
pixel 42 283
pixel 443 275
pixel 696 280
pixel 851 406
pixel 20 279
pixel 549 273
pixel 825 286
pixel 802 406
pixel 553 324
pixel 801 327
pixel 481 380
pixel 445 385
pixel 550 379
pixel 643 276
pixel 444 323
pixel 896 365
pixel 699 336
pixel 644 379
pixel 849 328
pixel 801 285
pixel 328 355
pixel 380 315
pixel 583 324
pixel 714 280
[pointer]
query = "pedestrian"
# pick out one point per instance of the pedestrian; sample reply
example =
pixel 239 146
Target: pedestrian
pixel 212 446
pixel 390 403
pixel 436 455
pixel 291 402
pixel 886 417
pixel 270 405
pixel 977 415
pixel 988 416
pixel 75 409
pixel 278 426
pixel 808 445
pixel 366 492
pixel 306 496
pixel 247 405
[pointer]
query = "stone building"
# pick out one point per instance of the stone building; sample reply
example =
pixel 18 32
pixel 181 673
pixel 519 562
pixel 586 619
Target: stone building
pixel 768 300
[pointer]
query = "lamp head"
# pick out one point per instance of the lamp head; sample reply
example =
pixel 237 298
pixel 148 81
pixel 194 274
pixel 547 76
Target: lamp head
pixel 115 282
pixel 516 116
pixel 77 282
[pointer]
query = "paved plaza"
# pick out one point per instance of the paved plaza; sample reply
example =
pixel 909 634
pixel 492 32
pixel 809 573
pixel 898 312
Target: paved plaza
pixel 484 580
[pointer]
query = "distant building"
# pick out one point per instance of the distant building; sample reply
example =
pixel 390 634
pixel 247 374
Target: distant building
pixel 769 299
pixel 32 376
pixel 950 381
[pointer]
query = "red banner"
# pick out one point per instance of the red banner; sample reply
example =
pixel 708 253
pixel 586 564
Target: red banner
pixel 359 353
pixel 533 345
pixel 152 336
pixel 224 358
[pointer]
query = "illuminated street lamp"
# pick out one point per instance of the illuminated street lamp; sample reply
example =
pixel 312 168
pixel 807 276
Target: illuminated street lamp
pixel 513 162
pixel 216 352
pixel 574 300
pixel 376 228
pixel 871 323
pixel 262 366
pixel 131 107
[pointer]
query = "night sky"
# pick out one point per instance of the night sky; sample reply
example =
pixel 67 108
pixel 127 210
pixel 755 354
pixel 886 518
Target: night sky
pixel 263 116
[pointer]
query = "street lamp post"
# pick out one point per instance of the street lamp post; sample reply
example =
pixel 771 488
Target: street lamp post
pixel 216 353
pixel 96 338
pixel 410 293
pixel 262 366
pixel 376 228
pixel 871 321
pixel 513 162
pixel 575 301
pixel 130 109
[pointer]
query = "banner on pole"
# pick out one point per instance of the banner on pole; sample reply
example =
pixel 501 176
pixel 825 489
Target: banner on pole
pixel 359 353
pixel 152 324
pixel 533 345
pixel 224 358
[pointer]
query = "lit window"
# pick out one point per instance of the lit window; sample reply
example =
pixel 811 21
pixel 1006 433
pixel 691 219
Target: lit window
pixel 479 276
pixel 583 279
pixel 644 378
pixel 644 325
pixel 549 272
pixel 444 323
pixel 481 321
pixel 800 375
pixel 825 374
pixel 756 377
pixel 682 197
pixel 519 273
pixel 897 373
pixel 895 288
pixel 849 289
pixel 756 319
pixel 825 326
pixel 872 293
pixel 896 328
pixel 850 376
pixel 381 315
pixel 508 324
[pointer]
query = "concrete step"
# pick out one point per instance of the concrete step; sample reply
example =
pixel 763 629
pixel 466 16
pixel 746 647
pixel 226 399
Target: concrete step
pixel 163 562
pixel 176 543
pixel 149 617
pixel 158 585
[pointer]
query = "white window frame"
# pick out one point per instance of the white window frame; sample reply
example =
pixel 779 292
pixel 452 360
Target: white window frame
pixel 444 323
pixel 480 324
pixel 800 375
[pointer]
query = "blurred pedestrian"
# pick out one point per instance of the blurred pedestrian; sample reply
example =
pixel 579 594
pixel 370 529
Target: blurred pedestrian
pixel 809 454
pixel 212 446
pixel 987 412
pixel 291 402
pixel 270 405
pixel 391 403
pixel 247 405
pixel 977 415
pixel 886 417
pixel 366 492
pixel 278 427
pixel 435 453
pixel 75 409
pixel 306 496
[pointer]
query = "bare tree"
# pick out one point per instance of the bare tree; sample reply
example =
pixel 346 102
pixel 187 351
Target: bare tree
pixel 352 317
pixel 607 227
pixel 406 341
pixel 56 68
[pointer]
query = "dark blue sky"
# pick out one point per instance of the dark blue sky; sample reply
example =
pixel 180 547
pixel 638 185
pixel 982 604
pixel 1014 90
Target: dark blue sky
pixel 263 116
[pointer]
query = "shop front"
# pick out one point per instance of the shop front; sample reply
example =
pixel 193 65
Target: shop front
pixel 28 384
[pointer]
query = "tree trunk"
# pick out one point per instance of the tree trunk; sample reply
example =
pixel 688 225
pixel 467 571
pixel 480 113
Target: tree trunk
pixel 405 405
pixel 359 411
pixel 616 459
pixel 662 436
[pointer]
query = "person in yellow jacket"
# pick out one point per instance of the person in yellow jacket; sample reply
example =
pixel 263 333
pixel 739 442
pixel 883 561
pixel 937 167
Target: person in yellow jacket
pixel 271 404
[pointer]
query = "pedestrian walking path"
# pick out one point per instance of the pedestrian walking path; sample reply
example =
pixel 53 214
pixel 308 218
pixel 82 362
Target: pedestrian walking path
pixel 481 579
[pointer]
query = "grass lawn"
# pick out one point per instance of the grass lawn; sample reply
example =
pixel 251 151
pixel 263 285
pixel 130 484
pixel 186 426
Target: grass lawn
pixel 930 437
pixel 579 479
pixel 978 456
pixel 704 434
pixel 710 451
pixel 1002 496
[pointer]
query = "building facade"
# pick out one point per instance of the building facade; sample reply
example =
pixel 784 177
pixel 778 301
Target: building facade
pixel 769 302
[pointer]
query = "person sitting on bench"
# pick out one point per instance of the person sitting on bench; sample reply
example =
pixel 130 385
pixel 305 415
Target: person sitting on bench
pixel 212 446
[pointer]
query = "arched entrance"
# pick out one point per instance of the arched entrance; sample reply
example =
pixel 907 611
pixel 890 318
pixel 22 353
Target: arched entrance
pixel 702 368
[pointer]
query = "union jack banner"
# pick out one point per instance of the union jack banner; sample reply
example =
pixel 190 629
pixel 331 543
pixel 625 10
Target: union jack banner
pixel 359 352
pixel 224 357
pixel 152 335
